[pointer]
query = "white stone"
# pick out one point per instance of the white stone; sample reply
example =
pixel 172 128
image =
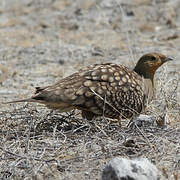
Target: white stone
pixel 126 169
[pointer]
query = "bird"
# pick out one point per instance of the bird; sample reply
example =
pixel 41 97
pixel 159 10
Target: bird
pixel 109 90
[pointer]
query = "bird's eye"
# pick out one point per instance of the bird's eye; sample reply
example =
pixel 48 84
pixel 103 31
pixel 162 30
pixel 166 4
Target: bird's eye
pixel 153 58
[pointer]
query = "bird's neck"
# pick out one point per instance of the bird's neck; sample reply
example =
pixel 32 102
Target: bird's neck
pixel 146 75
pixel 149 83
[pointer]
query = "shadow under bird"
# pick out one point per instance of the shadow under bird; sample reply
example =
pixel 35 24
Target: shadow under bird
pixel 109 90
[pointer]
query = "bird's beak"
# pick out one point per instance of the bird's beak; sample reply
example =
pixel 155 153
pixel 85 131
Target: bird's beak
pixel 167 59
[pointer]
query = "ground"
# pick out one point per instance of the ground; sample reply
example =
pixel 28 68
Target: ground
pixel 45 40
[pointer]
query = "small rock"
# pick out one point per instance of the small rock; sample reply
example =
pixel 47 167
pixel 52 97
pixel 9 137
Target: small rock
pixel 97 51
pixel 126 169
pixel 143 121
pixel 130 13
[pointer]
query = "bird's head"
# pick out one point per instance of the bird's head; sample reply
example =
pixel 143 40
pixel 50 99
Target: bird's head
pixel 149 63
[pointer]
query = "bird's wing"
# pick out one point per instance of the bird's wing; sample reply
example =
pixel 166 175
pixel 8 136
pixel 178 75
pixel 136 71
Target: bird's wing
pixel 72 89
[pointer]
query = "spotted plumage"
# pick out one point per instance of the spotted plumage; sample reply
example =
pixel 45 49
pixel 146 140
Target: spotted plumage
pixel 109 90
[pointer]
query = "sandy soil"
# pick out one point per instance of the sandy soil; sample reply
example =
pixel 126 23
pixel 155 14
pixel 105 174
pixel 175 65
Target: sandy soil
pixel 45 40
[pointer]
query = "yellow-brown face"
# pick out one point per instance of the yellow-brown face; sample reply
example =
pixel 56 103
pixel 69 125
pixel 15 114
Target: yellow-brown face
pixel 149 63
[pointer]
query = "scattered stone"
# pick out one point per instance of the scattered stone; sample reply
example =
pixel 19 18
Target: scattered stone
pixel 126 169
pixel 97 51
pixel 143 121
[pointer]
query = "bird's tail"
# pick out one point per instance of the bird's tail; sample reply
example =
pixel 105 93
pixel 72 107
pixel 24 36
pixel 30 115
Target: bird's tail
pixel 21 100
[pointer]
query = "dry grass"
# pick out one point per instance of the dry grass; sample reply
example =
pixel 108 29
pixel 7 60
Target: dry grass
pixel 38 145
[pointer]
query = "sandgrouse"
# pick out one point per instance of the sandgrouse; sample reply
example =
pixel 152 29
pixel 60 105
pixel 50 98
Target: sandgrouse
pixel 109 90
